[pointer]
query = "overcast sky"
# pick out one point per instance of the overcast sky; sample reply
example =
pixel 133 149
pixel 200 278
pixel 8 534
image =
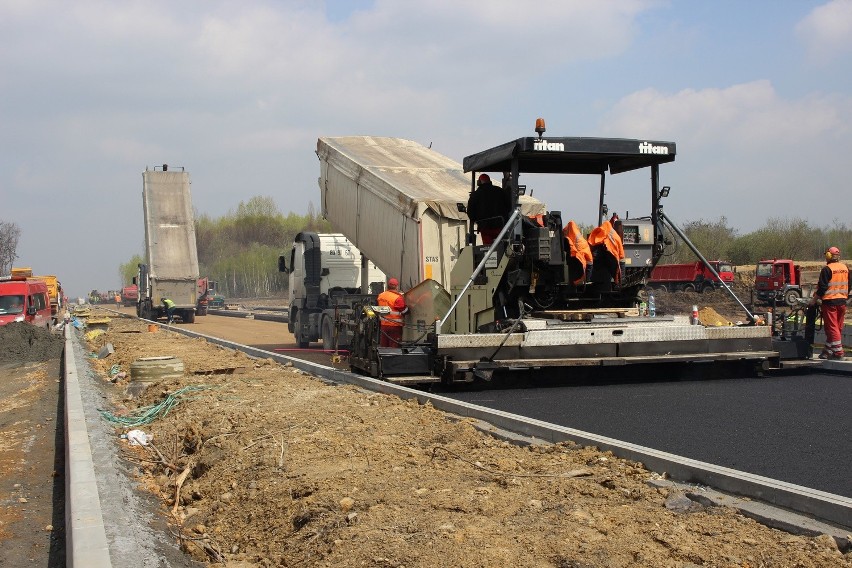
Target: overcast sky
pixel 757 95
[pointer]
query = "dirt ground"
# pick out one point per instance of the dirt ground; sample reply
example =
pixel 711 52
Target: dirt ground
pixel 32 523
pixel 259 464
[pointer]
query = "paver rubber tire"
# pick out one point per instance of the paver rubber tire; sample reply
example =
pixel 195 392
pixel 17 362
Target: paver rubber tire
pixel 155 369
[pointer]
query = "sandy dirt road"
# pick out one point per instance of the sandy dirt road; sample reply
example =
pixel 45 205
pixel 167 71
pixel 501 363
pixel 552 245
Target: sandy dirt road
pixel 267 335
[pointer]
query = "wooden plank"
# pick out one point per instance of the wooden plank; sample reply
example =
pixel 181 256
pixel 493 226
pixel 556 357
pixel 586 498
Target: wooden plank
pixel 585 315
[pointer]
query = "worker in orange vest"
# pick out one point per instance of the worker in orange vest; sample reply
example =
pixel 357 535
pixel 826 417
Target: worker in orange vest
pixel 608 253
pixel 580 255
pixel 392 322
pixel 833 290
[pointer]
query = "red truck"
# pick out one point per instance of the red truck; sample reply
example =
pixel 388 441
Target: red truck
pixel 129 295
pixel 206 292
pixel 779 280
pixel 26 299
pixel 691 277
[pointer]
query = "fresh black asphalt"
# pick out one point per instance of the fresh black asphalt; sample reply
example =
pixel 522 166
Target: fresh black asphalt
pixel 794 428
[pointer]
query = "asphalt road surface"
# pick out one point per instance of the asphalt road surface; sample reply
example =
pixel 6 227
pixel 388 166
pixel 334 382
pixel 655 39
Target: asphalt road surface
pixel 795 428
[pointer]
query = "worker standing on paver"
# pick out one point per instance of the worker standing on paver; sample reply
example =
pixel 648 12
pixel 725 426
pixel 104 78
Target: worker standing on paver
pixel 489 207
pixel 833 292
pixel 392 322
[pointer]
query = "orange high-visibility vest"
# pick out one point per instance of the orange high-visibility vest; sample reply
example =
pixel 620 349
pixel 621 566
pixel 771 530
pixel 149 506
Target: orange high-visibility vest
pixel 607 236
pixel 838 286
pixel 394 300
pixel 577 243
pixel 578 246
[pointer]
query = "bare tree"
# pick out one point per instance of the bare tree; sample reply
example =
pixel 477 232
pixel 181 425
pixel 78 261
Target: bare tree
pixel 9 235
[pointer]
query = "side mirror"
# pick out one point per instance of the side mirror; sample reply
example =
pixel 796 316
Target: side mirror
pixel 134 280
pixel 325 272
pixel 31 310
pixel 461 207
pixel 282 264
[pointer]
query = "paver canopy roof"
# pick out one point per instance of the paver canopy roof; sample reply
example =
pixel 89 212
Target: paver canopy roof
pixel 572 155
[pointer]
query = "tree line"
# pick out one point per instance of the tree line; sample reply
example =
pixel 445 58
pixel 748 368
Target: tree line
pixel 240 250
pixel 779 238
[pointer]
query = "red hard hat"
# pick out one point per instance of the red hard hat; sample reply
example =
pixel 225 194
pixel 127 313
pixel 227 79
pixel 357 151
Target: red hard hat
pixel 484 177
pixel 393 283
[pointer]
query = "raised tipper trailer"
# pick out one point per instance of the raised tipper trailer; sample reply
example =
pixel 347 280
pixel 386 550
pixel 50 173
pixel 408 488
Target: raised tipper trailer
pixel 171 257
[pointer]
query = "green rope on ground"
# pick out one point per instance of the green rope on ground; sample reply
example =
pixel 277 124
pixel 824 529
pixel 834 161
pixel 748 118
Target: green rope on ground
pixel 147 414
pixel 114 370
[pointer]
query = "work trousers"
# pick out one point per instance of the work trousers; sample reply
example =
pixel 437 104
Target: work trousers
pixel 832 323
pixel 391 336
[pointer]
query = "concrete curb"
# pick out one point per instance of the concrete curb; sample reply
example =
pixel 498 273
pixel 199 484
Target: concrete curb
pixel 824 506
pixel 85 538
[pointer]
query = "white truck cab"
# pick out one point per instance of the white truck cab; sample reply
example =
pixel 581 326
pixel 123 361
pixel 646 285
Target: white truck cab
pixel 323 268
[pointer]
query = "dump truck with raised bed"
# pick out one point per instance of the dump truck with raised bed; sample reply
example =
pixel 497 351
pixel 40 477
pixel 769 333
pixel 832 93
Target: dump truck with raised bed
pixel 171 257
pixel 513 305
pixel 327 276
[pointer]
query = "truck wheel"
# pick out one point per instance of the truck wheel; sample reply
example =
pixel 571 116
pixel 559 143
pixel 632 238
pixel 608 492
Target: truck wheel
pixel 297 332
pixel 188 316
pixel 290 319
pixel 327 334
pixel 689 287
pixel 791 297
pixel 706 287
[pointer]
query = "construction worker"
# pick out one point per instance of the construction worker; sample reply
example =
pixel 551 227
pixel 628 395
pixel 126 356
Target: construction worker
pixel 608 254
pixel 170 309
pixel 580 255
pixel 392 322
pixel 833 292
pixel 489 207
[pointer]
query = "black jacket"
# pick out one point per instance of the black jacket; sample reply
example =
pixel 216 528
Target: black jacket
pixel 489 206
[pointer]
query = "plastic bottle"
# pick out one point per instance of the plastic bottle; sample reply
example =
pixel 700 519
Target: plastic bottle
pixel 643 309
pixel 652 307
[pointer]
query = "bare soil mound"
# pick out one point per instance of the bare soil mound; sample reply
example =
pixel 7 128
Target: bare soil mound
pixel 21 342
